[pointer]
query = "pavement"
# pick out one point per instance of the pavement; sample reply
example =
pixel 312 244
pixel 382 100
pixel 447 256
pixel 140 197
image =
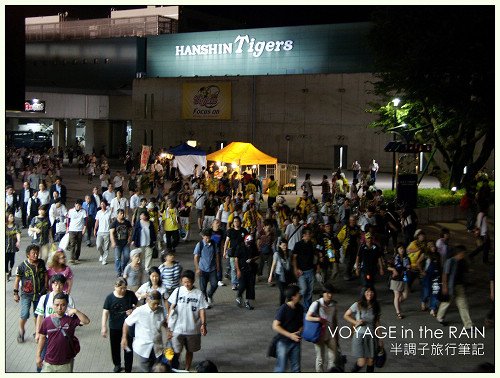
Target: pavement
pixel 238 339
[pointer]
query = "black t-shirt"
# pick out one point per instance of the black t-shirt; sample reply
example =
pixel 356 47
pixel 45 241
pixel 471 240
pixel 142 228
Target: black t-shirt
pixel 291 319
pixel 121 230
pixel 243 253
pixel 117 307
pixel 368 257
pixel 211 207
pixel 305 252
pixel 236 238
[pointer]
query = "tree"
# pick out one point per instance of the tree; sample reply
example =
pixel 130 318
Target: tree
pixel 440 61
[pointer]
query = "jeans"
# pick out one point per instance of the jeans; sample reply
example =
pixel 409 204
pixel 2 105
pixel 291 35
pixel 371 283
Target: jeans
pixel 42 355
pixel 287 350
pixel 265 259
pixel 122 255
pixel 234 278
pixel 206 277
pixel 282 287
pixel 306 281
pixel 115 336
pixel 89 231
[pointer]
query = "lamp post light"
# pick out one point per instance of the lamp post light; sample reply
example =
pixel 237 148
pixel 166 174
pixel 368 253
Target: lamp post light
pixel 395 102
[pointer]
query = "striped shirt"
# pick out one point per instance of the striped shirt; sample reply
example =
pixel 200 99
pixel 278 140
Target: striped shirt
pixel 170 276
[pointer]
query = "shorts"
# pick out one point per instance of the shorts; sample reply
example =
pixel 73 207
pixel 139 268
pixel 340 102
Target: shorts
pixel 26 302
pixel 397 285
pixel 192 342
pixel 199 212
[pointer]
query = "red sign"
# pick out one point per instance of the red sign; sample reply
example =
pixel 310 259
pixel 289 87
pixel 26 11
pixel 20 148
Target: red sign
pixel 146 151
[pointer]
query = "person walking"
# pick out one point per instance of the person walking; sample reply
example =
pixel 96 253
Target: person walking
pixel 303 260
pixel 324 311
pixel 117 306
pixel 190 324
pixel 148 320
pixel 288 323
pixel 207 264
pixel 246 256
pixel 171 223
pixel 58 331
pixel 31 274
pixel 101 231
pixel 120 234
pixel 364 315
pixel 12 243
pixel 144 237
pixel 77 224
pixel 399 268
pixel 235 237
pixel 453 287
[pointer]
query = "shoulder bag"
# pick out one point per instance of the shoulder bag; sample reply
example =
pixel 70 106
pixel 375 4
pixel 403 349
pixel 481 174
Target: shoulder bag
pixel 172 319
pixel 313 331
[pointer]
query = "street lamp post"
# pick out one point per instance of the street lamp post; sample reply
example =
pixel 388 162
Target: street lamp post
pixel 395 102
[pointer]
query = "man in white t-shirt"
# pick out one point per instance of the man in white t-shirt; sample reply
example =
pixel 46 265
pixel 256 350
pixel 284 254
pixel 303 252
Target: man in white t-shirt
pixel 101 231
pixel 77 224
pixel 118 181
pixel 190 305
pixel 135 200
pixel 109 194
pixel 119 202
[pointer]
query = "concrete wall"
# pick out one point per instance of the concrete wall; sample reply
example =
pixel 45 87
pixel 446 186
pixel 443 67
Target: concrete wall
pixel 317 111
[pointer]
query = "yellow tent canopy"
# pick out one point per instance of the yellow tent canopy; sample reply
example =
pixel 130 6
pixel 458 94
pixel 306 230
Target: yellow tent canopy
pixel 241 153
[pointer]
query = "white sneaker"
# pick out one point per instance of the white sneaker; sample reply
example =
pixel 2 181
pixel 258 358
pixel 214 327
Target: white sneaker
pixel 100 258
pixel 210 302
pixel 220 283
pixel 104 262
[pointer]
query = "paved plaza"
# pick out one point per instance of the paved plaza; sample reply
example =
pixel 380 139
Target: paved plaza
pixel 237 338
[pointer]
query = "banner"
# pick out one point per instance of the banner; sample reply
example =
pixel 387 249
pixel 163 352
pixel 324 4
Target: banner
pixel 146 151
pixel 206 100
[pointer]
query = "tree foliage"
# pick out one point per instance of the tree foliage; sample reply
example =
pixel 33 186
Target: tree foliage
pixel 439 60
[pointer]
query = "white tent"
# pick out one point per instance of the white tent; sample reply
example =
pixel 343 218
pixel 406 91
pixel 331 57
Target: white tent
pixel 187 156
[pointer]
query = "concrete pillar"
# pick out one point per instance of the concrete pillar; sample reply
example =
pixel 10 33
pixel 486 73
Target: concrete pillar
pixel 59 136
pixel 71 131
pixel 89 136
pixel 101 136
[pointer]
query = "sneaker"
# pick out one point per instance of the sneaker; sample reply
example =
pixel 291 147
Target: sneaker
pixel 210 302
pixel 71 261
pixel 234 287
pixel 20 337
pixel 220 283
pixel 248 306
pixel 239 301
pixel 117 369
pixel 100 259
pixel 104 262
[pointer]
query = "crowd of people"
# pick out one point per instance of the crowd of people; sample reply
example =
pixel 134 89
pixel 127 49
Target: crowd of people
pixel 141 217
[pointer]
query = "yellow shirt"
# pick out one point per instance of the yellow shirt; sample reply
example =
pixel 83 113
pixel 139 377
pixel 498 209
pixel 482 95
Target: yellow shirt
pixel 170 220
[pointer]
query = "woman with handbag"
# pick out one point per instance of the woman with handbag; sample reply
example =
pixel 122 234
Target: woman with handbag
pixel 281 268
pixel 154 283
pixel 324 311
pixel 364 315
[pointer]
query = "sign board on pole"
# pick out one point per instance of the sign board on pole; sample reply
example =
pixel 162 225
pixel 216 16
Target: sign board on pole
pixel 146 151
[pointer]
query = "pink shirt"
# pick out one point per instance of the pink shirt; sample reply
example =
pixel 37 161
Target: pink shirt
pixel 66 272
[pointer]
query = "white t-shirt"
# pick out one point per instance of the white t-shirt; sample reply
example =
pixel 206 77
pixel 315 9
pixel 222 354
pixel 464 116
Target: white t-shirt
pixel 118 181
pixel 77 219
pixel 49 310
pixel 135 201
pixel 108 196
pixel 188 307
pixel 199 197
pixel 44 197
pixel 104 218
pixel 224 216
pixel 118 204
pixel 147 330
